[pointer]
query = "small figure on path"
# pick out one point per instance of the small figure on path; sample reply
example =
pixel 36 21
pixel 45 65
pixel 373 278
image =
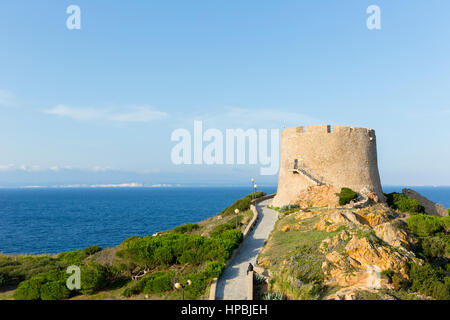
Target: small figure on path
pixel 250 268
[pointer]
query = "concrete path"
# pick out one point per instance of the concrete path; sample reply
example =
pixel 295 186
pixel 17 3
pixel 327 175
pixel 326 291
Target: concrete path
pixel 232 285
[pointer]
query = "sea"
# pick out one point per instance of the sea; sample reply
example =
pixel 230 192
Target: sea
pixel 53 220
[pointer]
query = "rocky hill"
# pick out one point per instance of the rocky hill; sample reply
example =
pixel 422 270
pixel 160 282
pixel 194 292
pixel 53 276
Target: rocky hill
pixel 344 252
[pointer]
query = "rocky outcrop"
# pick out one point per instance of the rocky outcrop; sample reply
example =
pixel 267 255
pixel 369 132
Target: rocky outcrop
pixel 354 261
pixel 431 208
pixel 318 196
pixel 393 235
pixel 371 242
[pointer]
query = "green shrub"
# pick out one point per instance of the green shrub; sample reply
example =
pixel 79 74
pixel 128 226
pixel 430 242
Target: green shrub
pixel 75 257
pixel 128 292
pixel 214 269
pixel 54 290
pixel 157 282
pixel 174 248
pixel 186 228
pixel 16 269
pixel 198 287
pixel 46 286
pixel 404 203
pixel 289 207
pixel 346 195
pixel 445 221
pixel 30 289
pixel 274 296
pixel 430 281
pixel 93 277
pixel 226 226
pixel 92 249
pixel 424 225
pixel 242 204
pixel 2 280
pixel 434 247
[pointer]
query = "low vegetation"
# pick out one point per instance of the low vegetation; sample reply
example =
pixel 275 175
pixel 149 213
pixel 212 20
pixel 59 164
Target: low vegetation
pixel 294 255
pixel 346 195
pixel 242 204
pixel 192 251
pixel 294 259
pixel 403 203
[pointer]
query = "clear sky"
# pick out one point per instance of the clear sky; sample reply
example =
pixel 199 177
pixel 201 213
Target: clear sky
pixel 99 104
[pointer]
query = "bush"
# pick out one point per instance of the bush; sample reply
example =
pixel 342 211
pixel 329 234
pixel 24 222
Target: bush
pixel 75 257
pixel 174 248
pixel 388 274
pixel 242 204
pixel 346 195
pixel 197 289
pixel 93 277
pixel 214 269
pixel 46 286
pixel 430 281
pixel 186 228
pixel 2 280
pixel 157 282
pixel 434 247
pixel 16 269
pixel 404 203
pixel 54 290
pixel 424 225
pixel 92 249
pixel 29 289
pixel 445 221
pixel 226 226
pixel 289 207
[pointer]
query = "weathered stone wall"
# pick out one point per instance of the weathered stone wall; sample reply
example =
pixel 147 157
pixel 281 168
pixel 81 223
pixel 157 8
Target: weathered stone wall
pixel 341 157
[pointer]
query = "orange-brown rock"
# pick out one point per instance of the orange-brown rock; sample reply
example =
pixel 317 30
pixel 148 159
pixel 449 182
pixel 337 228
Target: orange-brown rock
pixel 392 235
pixel 372 217
pixel 318 196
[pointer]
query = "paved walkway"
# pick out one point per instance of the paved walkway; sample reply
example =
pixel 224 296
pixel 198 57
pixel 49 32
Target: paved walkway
pixel 232 285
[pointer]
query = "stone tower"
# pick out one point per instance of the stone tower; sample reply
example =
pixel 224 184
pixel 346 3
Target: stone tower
pixel 322 155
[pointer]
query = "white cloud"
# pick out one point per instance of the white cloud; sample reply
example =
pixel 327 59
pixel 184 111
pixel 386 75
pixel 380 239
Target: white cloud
pixel 6 167
pixel 121 185
pixel 31 168
pixel 75 113
pixel 134 114
pixel 141 114
pixel 100 169
pixel 7 99
pixel 55 168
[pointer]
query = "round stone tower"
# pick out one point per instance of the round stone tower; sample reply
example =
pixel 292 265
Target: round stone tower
pixel 322 155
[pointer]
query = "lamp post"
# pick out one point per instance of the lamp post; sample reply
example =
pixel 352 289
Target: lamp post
pixel 182 286
pixel 253 184
pixel 237 214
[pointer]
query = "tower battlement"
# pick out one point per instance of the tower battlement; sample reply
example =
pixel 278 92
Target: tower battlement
pixel 340 156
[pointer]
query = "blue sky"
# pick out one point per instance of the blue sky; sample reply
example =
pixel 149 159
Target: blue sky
pixel 98 105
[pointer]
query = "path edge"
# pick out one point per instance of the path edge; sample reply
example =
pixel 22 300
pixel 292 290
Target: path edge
pixel 213 289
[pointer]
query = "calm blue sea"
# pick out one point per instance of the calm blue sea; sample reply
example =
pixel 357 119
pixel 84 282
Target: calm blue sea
pixel 55 220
